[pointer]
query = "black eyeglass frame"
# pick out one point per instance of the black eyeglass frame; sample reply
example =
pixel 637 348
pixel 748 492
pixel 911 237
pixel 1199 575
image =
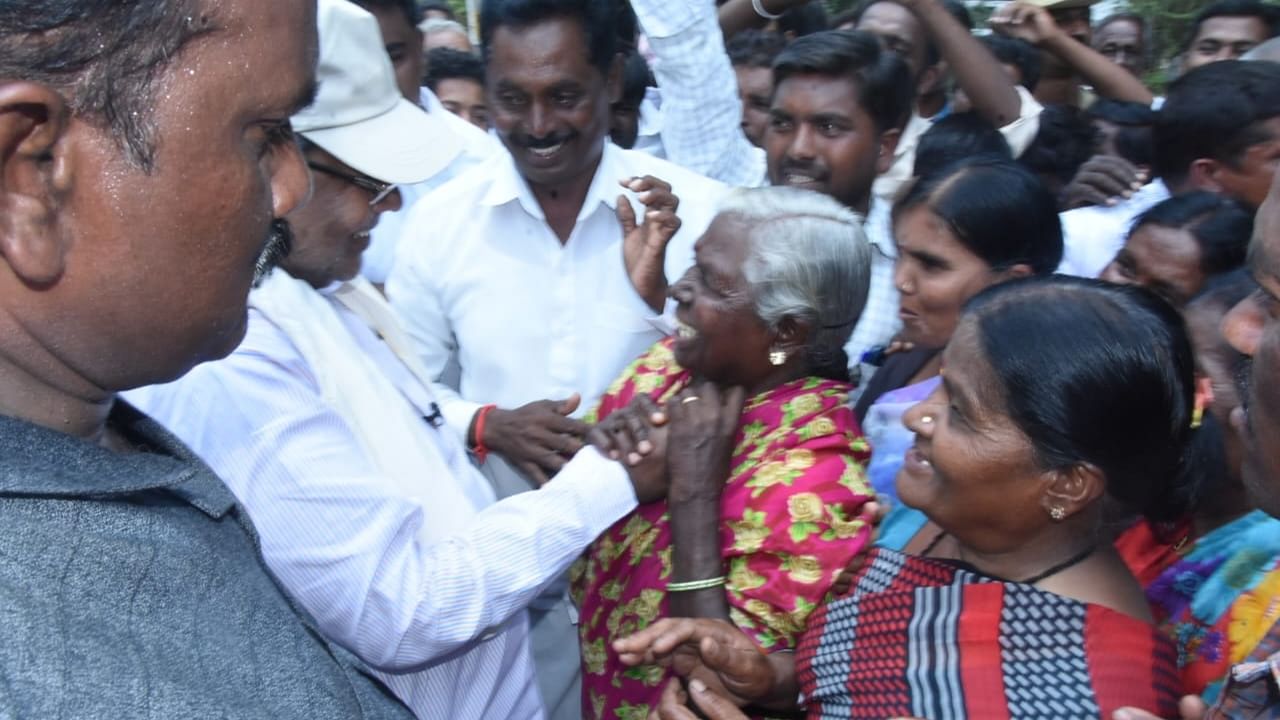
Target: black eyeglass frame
pixel 380 190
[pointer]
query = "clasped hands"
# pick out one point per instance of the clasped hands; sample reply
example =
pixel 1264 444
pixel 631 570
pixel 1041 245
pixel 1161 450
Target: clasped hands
pixel 680 451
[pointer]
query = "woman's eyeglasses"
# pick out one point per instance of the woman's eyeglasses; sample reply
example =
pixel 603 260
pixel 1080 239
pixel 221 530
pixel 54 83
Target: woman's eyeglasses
pixel 380 190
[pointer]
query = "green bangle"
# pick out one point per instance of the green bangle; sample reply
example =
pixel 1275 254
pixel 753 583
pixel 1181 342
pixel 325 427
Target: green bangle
pixel 696 585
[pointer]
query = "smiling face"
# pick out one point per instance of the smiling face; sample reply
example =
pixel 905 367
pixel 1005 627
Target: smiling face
pixel 972 471
pixel 720 337
pixel 935 275
pixel 1161 259
pixel 820 138
pixel 332 231
pixel 549 104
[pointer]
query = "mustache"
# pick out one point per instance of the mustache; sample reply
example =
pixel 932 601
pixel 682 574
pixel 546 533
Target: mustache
pixel 279 243
pixel 535 143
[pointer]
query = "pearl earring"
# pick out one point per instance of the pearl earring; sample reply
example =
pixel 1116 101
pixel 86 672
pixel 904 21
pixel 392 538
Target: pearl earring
pixel 778 357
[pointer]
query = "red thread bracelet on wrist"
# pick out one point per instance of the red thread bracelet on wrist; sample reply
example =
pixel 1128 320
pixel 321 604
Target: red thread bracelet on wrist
pixel 478 447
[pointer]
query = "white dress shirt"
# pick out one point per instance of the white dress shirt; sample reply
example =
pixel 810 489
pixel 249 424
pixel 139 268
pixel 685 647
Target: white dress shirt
pixel 1019 134
pixel 442 617
pixel 880 320
pixel 1091 236
pixel 481 273
pixel 701 112
pixel 476 147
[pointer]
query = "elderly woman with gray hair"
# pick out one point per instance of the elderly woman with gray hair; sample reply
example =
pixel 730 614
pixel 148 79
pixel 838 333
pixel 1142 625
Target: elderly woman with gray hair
pixel 745 411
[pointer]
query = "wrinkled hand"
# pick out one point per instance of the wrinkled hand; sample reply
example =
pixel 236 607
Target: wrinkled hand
pixel 637 437
pixel 1025 22
pixel 1190 707
pixel 713 651
pixel 704 420
pixel 1103 180
pixel 873 513
pixel 539 438
pixel 644 245
pixel 675 701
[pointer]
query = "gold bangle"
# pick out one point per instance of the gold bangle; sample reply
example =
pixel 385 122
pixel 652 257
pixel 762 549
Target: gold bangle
pixel 696 585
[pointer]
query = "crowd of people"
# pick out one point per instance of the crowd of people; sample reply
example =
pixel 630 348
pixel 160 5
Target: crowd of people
pixel 622 359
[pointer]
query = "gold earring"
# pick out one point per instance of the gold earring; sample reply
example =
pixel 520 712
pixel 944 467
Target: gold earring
pixel 1057 513
pixel 778 357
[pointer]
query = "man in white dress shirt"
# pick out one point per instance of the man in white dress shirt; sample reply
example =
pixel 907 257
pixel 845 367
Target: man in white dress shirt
pixel 324 425
pixel 518 268
pixel 1219 131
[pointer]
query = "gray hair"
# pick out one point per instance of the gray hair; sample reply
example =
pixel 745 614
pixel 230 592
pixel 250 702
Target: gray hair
pixel 808 259
pixel 431 26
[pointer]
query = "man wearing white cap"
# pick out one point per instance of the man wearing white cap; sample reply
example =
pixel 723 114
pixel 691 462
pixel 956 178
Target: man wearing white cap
pixel 324 425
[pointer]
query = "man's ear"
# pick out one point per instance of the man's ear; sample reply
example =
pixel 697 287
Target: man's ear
pixel 613 81
pixel 1203 175
pixel 888 146
pixel 35 171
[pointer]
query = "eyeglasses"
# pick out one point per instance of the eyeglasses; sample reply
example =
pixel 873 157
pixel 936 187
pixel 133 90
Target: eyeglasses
pixel 379 189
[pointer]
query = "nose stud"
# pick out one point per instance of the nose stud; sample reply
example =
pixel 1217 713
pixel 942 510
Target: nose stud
pixel 926 420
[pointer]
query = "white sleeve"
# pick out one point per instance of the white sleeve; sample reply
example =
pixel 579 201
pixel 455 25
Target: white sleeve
pixel 702 113
pixel 353 547
pixel 1022 132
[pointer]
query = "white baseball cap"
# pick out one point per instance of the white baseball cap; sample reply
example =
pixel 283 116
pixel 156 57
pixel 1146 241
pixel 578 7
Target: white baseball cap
pixel 359 115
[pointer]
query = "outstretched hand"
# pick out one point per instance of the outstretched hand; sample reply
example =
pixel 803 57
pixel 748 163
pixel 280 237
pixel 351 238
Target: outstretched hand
pixel 644 245
pixel 538 438
pixel 637 437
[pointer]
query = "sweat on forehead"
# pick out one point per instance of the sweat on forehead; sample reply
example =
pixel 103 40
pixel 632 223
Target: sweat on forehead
pixel 104 56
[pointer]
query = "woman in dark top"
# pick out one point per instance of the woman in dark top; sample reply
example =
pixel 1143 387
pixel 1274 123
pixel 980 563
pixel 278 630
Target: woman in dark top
pixel 958 230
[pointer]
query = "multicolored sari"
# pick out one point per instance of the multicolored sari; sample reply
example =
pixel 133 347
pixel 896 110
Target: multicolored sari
pixel 923 638
pixel 1216 597
pixel 790 523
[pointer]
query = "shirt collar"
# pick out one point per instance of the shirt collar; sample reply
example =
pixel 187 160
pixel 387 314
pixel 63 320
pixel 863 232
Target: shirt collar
pixel 509 185
pixel 39 462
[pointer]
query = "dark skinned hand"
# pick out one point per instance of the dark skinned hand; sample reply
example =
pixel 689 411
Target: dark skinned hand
pixel 1103 180
pixel 675 703
pixel 637 436
pixel 537 439
pixel 704 421
pixel 644 245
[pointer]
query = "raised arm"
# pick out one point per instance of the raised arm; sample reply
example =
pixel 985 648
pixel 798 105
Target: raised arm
pixel 702 113
pixel 977 72
pixel 1036 26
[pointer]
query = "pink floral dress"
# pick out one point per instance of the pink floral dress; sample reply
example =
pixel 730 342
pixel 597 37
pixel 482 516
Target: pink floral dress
pixel 791 521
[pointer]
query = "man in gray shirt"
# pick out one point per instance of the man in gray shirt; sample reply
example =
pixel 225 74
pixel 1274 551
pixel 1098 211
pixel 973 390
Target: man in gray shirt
pixel 145 162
